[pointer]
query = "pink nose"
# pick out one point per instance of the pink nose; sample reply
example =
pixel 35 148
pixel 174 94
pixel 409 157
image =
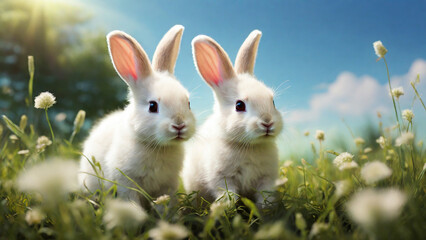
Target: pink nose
pixel 179 127
pixel 268 125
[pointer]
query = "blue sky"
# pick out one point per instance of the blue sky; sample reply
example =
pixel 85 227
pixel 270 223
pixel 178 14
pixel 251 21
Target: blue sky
pixel 318 53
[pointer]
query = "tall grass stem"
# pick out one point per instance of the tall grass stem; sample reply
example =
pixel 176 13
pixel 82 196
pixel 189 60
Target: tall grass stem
pixel 50 126
pixel 393 98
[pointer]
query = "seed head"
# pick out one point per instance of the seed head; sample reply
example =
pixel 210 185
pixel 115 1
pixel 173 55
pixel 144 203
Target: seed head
pixel 320 135
pixel 379 49
pixel 79 120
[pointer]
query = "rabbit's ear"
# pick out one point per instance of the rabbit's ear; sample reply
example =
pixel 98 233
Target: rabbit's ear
pixel 211 60
pixel 167 50
pixel 246 57
pixel 128 57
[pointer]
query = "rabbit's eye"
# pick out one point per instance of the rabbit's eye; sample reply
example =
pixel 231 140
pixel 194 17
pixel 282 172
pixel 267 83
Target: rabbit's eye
pixel 189 105
pixel 153 107
pixel 240 106
pixel 273 102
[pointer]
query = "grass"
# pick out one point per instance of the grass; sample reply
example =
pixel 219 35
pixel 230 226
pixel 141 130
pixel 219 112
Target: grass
pixel 310 202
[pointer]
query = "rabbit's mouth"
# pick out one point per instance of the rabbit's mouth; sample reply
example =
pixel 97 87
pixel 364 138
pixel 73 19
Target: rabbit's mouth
pixel 179 137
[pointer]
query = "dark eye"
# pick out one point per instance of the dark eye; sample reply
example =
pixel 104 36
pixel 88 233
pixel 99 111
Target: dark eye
pixel 153 107
pixel 273 102
pixel 189 105
pixel 240 106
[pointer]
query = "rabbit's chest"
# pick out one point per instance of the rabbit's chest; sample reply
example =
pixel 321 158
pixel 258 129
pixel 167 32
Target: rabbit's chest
pixel 247 168
pixel 157 170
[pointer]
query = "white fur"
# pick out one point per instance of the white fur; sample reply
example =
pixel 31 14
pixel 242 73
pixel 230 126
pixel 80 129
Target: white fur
pixel 232 145
pixel 141 144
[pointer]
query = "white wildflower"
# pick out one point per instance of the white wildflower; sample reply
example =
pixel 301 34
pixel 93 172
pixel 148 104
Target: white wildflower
pixel 162 200
pixel 359 141
pixel 287 163
pixel 24 152
pixel 320 135
pixel 408 115
pixel 42 143
pixel 342 188
pixel 44 100
pixel 166 231
pixel 368 150
pixel 382 141
pixel 300 222
pixel 218 208
pixel 317 228
pixel 306 133
pixel 345 161
pixel 424 167
pixel 397 92
pixel 54 178
pixel 369 206
pixel 34 216
pixel 60 117
pixel 379 49
pixel 375 171
pixel 281 181
pixel 270 231
pixel 405 138
pixel 123 213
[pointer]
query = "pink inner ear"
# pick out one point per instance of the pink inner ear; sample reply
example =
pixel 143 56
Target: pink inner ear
pixel 209 63
pixel 123 56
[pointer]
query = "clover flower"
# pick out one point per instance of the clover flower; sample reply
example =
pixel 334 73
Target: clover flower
pixel 397 92
pixel 345 161
pixel 382 141
pixel 166 231
pixel 52 179
pixel 44 100
pixel 405 138
pixel 123 213
pixel 317 228
pixel 42 143
pixel 375 171
pixel 34 216
pixel 408 115
pixel 342 187
pixel 369 206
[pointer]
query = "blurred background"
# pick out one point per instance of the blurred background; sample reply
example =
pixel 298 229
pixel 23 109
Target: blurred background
pixel 317 56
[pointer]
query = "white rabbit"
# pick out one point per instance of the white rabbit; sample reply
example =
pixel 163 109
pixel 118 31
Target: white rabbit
pixel 145 140
pixel 235 148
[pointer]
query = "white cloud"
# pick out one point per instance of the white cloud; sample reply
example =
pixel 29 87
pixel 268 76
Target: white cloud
pixel 350 95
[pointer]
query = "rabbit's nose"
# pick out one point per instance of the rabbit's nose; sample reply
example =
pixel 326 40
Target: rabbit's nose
pixel 179 127
pixel 267 125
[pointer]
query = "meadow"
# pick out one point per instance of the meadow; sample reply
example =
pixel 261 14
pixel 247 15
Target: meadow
pixel 374 192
